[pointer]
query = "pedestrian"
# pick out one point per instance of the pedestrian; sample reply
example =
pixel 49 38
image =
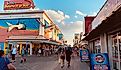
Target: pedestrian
pixel 62 57
pixel 14 52
pixel 68 53
pixel 8 52
pixel 5 62
pixel 36 51
pixel 39 51
pixel 23 58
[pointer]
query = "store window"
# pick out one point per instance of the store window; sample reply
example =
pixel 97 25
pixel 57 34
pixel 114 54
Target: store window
pixel 97 46
pixel 46 24
pixel 116 51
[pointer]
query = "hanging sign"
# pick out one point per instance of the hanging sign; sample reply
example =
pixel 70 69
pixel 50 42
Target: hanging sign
pixel 99 61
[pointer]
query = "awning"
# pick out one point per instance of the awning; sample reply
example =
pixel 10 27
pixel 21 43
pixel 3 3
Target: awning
pixel 34 39
pixel 109 24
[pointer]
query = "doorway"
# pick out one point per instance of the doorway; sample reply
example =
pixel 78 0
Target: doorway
pixel 116 51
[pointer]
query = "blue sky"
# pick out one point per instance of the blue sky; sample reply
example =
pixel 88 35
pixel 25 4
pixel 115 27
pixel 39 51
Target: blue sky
pixel 68 14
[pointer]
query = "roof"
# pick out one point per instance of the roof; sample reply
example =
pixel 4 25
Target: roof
pixel 31 11
pixel 109 24
pixel 35 39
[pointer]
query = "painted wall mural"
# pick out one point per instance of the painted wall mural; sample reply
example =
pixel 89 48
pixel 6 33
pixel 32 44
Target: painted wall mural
pixel 24 26
pixel 24 23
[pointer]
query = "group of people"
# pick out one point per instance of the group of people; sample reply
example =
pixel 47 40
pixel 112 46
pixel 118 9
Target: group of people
pixel 44 51
pixel 14 52
pixel 65 53
pixel 6 63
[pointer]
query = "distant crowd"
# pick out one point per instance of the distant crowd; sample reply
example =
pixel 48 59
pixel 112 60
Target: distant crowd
pixel 64 52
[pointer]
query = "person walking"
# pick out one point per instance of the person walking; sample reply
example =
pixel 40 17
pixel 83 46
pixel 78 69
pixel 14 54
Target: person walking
pixel 68 53
pixel 23 58
pixel 39 51
pixel 14 52
pixel 5 63
pixel 62 57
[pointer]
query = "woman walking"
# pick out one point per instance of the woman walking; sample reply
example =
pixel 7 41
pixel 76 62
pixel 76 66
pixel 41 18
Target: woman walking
pixel 14 52
pixel 62 57
pixel 23 59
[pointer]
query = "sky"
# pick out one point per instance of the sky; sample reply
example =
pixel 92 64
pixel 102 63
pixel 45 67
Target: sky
pixel 68 14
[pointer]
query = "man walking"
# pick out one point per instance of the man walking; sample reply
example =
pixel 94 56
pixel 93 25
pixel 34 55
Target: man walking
pixel 68 54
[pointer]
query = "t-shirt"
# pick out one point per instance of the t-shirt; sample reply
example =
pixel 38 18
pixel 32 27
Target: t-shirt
pixel 4 61
pixel 68 51
pixel 14 51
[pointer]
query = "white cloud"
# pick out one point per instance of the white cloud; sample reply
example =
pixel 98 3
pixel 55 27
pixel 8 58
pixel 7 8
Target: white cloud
pixel 57 16
pixel 93 14
pixel 69 29
pixel 80 13
pixel 67 16
pixel 76 16
pixel 60 12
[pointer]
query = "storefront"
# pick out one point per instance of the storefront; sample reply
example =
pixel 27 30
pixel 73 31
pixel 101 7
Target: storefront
pixel 19 45
pixel 115 49
pixel 105 36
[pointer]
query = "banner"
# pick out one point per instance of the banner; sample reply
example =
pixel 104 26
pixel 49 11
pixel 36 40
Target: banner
pixel 18 4
pixel 99 61
pixel 88 23
pixel 84 55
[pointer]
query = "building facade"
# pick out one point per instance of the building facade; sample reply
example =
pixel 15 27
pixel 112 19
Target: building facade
pixel 30 29
pixel 105 34
pixel 76 40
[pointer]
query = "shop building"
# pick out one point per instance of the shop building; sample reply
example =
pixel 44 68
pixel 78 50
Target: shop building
pixel 30 29
pixel 105 33
pixel 76 40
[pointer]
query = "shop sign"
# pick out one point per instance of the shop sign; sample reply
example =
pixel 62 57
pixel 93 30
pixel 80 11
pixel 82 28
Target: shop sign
pixel 18 4
pixel 1 45
pixel 84 55
pixel 88 23
pixel 99 61
pixel 60 35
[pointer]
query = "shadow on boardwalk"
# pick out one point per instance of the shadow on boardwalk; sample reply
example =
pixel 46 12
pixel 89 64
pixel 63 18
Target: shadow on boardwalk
pixel 76 64
pixel 49 63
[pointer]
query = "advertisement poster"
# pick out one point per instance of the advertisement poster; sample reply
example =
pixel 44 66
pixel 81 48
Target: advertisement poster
pixel 84 55
pixel 99 61
pixel 18 4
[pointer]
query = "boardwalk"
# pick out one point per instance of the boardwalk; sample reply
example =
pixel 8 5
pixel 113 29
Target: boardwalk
pixel 49 63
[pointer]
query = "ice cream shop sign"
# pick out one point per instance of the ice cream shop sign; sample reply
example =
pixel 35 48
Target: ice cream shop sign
pixel 18 4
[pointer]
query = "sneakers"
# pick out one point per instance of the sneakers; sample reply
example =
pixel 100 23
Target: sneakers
pixel 67 66
pixel 62 66
pixel 23 60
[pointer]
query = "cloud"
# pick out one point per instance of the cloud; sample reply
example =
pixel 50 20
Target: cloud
pixel 93 14
pixel 68 29
pixel 57 16
pixel 76 16
pixel 80 13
